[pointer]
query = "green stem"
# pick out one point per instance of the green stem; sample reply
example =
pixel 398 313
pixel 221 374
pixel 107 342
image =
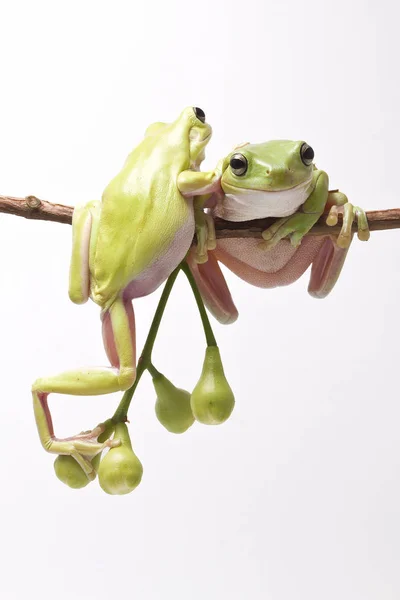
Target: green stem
pixel 200 305
pixel 144 362
pixel 152 370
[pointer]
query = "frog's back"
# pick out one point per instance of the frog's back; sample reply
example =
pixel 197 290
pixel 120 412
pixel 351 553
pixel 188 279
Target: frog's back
pixel 142 212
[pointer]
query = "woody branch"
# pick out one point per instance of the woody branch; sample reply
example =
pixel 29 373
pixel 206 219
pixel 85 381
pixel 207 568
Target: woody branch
pixel 34 208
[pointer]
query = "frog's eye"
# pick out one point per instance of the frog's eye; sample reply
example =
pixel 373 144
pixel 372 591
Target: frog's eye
pixel 200 114
pixel 238 164
pixel 306 154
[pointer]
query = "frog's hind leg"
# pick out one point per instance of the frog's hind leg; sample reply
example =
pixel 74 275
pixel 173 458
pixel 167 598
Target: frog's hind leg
pixel 109 338
pixel 84 223
pixel 326 268
pixel 119 328
pixel 213 287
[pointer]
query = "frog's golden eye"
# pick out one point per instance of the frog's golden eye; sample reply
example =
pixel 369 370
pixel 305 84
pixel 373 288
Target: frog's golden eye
pixel 238 164
pixel 200 114
pixel 306 154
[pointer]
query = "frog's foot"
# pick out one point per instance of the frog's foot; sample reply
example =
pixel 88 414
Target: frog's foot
pixel 295 226
pixel 274 234
pixel 205 234
pixel 336 198
pixel 350 213
pixel 82 447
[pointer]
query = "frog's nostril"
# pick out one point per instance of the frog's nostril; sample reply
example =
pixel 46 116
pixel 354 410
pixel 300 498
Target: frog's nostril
pixel 268 171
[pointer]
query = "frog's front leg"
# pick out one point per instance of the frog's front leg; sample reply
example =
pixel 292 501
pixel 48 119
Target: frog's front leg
pixel 197 183
pixel 205 230
pixel 202 185
pixel 119 340
pixel 339 203
pixel 296 226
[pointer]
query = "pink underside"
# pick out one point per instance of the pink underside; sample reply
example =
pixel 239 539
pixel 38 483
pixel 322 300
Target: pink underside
pixel 284 264
pixel 213 288
pixel 326 268
pixel 108 334
pixel 108 340
pixel 279 266
pixel 43 401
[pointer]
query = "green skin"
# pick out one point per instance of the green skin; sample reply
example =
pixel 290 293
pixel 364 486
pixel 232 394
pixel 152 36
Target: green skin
pixel 212 400
pixel 120 471
pixel 120 252
pixel 172 405
pixel 277 183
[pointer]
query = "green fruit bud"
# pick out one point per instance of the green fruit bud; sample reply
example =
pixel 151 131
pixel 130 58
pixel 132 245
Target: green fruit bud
pixel 120 471
pixel 69 472
pixel 212 399
pixel 173 405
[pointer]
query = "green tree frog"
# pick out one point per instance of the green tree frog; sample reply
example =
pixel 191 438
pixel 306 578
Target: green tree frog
pixel 123 248
pixel 276 179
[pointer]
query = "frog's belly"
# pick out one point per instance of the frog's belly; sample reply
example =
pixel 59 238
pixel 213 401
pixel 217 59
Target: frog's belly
pixel 282 265
pixel 162 267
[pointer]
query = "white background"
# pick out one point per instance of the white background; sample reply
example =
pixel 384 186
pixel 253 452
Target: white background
pixel 297 496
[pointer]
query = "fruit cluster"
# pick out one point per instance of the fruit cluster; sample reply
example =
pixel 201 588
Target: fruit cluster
pixel 120 471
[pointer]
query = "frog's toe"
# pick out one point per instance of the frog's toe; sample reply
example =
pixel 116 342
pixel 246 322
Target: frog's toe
pixel 271 237
pixel 200 256
pixel 333 218
pixel 363 235
pixel 296 238
pixel 344 240
pixel 363 232
pixel 203 229
pixel 211 234
pixel 268 244
pixel 267 234
pixel 346 234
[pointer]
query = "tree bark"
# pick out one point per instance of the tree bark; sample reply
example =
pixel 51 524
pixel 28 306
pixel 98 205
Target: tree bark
pixel 34 208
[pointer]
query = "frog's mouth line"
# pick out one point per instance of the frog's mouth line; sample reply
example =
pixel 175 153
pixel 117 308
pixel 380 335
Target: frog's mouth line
pixel 241 204
pixel 238 189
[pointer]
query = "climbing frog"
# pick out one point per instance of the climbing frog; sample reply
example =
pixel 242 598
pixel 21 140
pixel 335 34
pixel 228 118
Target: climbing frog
pixel 276 179
pixel 124 247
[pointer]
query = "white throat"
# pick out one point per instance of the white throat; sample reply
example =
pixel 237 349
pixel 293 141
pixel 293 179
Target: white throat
pixel 244 205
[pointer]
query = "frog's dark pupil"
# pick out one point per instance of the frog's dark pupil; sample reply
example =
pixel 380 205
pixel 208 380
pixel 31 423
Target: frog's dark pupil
pixel 307 153
pixel 237 163
pixel 200 114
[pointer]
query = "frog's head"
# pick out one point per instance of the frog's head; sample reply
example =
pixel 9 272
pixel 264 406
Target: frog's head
pixel 268 179
pixel 271 166
pixel 193 134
